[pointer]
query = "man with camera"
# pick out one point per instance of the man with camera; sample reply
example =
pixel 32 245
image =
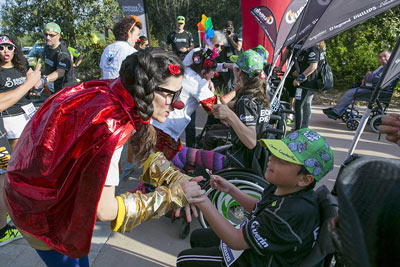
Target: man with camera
pixel 233 47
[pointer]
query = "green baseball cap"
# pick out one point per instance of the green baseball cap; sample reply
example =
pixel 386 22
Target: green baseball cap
pixel 52 27
pixel 304 147
pixel 180 19
pixel 249 61
pixel 263 52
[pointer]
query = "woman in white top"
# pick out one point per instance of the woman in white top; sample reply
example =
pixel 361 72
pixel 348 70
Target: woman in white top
pixel 126 33
pixel 196 89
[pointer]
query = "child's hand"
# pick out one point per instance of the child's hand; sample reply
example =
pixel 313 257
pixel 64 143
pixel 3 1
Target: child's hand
pixel 219 183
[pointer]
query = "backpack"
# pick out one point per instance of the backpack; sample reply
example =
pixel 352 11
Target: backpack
pixel 325 75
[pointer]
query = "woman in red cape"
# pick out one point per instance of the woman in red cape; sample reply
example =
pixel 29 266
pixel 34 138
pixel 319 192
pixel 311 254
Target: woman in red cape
pixel 63 173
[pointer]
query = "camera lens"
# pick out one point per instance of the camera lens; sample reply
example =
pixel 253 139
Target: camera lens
pixel 228 31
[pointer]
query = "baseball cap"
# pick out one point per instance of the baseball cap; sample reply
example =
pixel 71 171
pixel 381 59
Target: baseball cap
pixel 5 40
pixel 259 49
pixel 180 19
pixel 249 61
pixel 52 27
pixel 304 147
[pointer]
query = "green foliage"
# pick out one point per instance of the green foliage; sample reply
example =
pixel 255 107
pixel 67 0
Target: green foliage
pixel 355 51
pixel 77 19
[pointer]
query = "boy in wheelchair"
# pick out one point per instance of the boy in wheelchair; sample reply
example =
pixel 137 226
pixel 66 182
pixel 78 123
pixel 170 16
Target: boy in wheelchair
pixel 284 222
pixel 367 85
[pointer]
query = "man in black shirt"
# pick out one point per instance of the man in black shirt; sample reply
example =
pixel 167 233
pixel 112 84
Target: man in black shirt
pixel 232 47
pixel 57 60
pixel 284 222
pixel 180 40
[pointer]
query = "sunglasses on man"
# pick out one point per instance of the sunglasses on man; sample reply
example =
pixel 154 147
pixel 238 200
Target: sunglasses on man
pixel 9 48
pixel 49 34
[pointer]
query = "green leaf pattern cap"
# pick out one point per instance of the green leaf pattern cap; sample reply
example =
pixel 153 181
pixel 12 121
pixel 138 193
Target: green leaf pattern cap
pixel 249 61
pixel 304 147
pixel 52 27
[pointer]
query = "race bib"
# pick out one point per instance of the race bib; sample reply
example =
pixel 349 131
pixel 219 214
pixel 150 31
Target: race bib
pixel 29 109
pixel 230 255
pixel 298 93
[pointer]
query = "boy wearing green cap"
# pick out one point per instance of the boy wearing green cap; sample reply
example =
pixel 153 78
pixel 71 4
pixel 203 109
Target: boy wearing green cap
pixel 284 222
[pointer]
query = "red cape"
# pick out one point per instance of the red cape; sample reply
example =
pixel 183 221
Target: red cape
pixel 58 170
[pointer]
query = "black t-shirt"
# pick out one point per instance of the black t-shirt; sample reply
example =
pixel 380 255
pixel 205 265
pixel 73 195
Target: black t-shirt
pixel 252 113
pixel 229 50
pixel 59 58
pixel 9 80
pixel 310 55
pixel 282 229
pixel 179 40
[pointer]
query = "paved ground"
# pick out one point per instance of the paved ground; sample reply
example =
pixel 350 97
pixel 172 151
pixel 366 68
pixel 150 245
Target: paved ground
pixel 156 243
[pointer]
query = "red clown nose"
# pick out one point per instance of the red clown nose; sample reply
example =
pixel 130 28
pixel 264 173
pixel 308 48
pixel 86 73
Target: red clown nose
pixel 178 105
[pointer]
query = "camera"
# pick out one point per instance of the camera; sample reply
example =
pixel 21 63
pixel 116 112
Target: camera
pixel 229 31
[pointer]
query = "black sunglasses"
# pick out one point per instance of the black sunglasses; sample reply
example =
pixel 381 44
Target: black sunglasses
pixel 218 45
pixel 9 47
pixel 174 95
pixel 49 34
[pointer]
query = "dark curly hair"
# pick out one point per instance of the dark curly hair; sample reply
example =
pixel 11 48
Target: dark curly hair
pixel 122 27
pixel 140 74
pixel 254 86
pixel 200 65
pixel 18 60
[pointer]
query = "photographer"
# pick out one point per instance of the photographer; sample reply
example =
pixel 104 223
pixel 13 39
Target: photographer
pixel 232 47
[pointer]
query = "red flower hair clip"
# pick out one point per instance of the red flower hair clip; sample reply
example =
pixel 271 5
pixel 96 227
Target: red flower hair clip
pixel 174 69
pixel 207 63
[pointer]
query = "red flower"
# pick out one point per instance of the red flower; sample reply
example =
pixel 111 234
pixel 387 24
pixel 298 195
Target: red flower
pixel 174 69
pixel 207 63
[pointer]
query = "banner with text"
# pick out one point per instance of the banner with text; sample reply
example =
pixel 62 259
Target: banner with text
pixel 137 8
pixel 267 22
pixel 292 13
pixel 344 14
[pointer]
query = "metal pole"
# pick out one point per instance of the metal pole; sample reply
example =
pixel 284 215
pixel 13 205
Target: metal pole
pixel 280 86
pixel 359 131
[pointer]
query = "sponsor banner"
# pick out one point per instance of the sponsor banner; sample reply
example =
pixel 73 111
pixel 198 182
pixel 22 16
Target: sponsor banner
pixel 311 14
pixel 267 22
pixel 135 7
pixel 344 14
pixel 392 69
pixel 291 15
pixel 252 33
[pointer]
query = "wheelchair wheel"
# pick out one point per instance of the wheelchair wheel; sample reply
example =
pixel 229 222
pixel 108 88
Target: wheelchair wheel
pixel 375 122
pixel 247 182
pixel 345 116
pixel 352 125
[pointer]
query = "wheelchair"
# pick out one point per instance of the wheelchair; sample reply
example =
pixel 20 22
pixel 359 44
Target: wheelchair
pixel 351 115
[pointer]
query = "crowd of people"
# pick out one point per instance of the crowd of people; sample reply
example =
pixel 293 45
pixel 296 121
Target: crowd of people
pixel 60 163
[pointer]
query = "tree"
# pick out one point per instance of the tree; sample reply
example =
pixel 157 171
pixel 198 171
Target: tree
pixel 355 51
pixel 78 19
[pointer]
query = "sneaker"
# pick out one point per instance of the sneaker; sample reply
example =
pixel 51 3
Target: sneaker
pixel 8 218
pixel 11 234
pixel 330 113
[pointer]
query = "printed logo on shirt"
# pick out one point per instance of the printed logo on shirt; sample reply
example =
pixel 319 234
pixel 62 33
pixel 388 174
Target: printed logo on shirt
pixel 180 40
pixel 264 115
pixel 261 242
pixel 110 59
pixel 14 82
pixel 49 62
pixel 62 64
pixel 273 204
pixel 246 118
